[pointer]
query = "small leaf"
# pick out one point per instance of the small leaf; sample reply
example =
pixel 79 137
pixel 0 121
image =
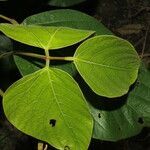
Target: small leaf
pixel 25 67
pixel 108 64
pixel 6 62
pixel 64 3
pixel 50 106
pixel 47 38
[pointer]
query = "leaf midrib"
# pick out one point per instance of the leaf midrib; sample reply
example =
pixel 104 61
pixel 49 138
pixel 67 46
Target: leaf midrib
pixel 101 65
pixel 55 97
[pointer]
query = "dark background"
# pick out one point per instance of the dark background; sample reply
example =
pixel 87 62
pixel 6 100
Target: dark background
pixel 129 19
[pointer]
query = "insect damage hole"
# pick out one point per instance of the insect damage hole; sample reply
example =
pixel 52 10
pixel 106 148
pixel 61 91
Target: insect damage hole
pixel 52 122
pixel 99 115
pixel 140 120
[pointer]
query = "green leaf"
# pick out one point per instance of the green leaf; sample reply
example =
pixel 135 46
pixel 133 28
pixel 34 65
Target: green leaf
pixel 67 18
pixel 68 67
pixel 128 120
pixel 47 38
pixel 5 44
pixel 108 64
pixel 50 106
pixel 25 67
pixel 64 3
pixel 139 99
pixel 116 124
pixel 6 48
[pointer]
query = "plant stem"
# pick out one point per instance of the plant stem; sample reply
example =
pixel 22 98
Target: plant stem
pixel 62 58
pixel 31 55
pixel 1 93
pixel 5 54
pixel 9 19
pixel 145 55
pixel 45 57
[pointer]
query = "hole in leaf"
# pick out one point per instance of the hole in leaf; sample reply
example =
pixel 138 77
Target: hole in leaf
pixel 140 120
pixel 52 122
pixel 66 148
pixel 137 82
pixel 99 115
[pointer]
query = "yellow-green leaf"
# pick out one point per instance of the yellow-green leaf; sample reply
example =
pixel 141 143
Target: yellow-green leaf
pixel 45 37
pixel 50 106
pixel 108 64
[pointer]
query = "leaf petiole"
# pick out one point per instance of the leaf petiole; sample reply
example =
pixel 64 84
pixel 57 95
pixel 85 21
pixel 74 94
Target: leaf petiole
pixel 6 54
pixel 1 93
pixel 47 57
pixel 12 21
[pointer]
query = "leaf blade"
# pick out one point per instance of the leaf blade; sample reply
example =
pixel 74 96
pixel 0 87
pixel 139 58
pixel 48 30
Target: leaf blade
pixel 48 38
pixel 105 61
pixel 116 124
pixel 46 108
